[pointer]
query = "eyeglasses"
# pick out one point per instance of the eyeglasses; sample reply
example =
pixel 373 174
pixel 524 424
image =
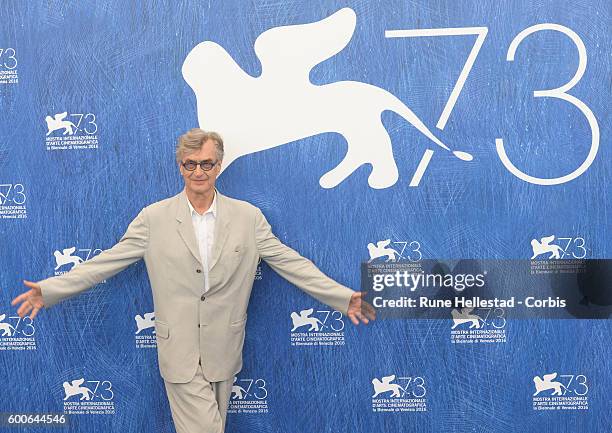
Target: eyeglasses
pixel 190 165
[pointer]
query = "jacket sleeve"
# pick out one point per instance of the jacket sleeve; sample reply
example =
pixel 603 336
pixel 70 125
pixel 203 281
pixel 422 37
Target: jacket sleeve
pixel 130 248
pixel 297 269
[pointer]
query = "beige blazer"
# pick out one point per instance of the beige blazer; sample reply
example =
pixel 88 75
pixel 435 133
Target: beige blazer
pixel 190 325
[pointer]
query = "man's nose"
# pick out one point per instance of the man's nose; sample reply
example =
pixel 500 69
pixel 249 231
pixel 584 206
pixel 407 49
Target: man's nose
pixel 199 172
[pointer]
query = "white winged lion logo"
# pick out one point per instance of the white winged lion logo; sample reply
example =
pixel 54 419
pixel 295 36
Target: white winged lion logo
pixel 282 105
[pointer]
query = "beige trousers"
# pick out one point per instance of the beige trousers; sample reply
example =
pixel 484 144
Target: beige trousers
pixel 199 406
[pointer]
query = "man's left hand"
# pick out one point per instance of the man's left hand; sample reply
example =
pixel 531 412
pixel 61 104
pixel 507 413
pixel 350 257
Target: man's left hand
pixel 359 309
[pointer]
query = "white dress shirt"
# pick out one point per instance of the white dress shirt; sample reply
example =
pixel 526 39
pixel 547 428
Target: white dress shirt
pixel 204 228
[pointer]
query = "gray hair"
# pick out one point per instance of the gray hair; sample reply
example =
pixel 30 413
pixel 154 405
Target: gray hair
pixel 194 139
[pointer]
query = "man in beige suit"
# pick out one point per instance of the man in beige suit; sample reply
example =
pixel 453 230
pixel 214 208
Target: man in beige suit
pixel 201 251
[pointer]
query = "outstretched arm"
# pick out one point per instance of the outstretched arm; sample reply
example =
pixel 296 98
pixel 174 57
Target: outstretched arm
pixel 46 293
pixel 301 272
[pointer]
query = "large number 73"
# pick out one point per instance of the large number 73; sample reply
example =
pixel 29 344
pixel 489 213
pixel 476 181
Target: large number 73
pixel 559 93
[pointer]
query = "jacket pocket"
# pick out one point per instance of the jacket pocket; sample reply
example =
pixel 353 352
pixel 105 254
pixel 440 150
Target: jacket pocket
pixel 238 325
pixel 162 330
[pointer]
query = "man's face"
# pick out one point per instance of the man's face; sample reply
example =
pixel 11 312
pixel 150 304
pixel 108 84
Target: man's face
pixel 200 181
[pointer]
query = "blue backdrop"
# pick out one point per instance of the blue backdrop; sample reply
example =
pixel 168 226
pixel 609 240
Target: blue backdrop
pixel 113 71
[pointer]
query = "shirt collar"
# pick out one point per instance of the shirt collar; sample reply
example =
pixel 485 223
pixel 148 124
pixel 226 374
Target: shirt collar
pixel 212 209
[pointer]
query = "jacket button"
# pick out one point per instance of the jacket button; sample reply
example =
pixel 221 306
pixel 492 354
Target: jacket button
pixel 199 271
pixel 198 325
pixel 203 298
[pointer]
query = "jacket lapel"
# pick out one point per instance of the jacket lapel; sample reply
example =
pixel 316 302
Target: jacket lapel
pixel 185 226
pixel 221 228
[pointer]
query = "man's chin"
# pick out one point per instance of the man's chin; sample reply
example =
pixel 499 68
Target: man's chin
pixel 200 188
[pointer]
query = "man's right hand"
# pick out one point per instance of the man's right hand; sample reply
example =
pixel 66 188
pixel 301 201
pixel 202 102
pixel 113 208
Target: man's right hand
pixel 31 301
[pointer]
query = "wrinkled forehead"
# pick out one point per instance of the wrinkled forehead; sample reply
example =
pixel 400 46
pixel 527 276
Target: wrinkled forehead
pixel 208 151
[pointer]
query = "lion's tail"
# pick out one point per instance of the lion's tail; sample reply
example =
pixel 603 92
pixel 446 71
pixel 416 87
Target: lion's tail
pixel 400 108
